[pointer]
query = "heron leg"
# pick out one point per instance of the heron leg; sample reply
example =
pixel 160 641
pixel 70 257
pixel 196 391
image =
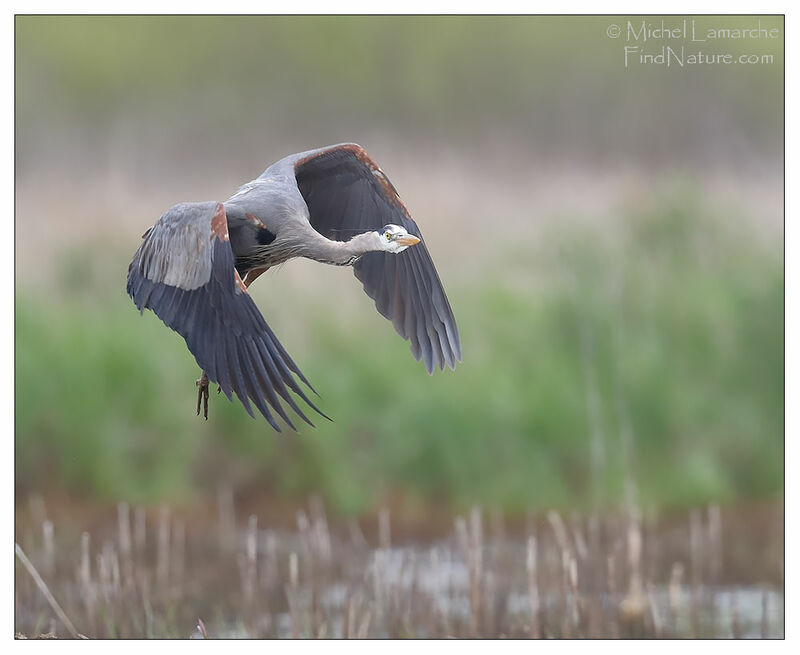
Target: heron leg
pixel 202 394
pixel 202 383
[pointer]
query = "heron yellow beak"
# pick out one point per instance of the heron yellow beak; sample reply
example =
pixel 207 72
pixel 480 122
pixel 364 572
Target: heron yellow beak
pixel 409 240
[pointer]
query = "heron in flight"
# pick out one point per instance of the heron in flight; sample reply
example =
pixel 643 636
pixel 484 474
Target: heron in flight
pixel 333 205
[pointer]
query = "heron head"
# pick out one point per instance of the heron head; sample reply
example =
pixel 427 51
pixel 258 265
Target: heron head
pixel 395 238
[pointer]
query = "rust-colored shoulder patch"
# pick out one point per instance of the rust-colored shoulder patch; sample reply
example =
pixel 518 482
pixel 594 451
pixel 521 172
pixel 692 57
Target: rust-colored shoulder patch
pixel 219 224
pixel 255 221
pixel 237 278
pixel 361 155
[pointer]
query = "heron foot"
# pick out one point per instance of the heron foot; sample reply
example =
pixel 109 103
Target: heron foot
pixel 202 394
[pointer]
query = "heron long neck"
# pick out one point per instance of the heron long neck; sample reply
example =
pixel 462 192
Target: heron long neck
pixel 344 253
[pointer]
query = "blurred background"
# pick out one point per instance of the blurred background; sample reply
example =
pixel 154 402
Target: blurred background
pixel 610 238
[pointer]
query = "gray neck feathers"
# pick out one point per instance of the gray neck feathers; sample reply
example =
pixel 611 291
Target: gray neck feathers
pixel 343 253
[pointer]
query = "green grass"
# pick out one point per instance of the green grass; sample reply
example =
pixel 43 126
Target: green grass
pixel 664 332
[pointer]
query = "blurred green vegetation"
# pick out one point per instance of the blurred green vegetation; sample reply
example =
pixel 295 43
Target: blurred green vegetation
pixel 643 352
pixel 651 350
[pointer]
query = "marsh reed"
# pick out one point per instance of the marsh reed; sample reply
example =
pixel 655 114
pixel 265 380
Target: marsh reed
pixel 154 573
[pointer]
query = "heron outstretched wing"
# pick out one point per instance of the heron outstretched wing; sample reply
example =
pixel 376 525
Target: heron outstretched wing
pixel 184 272
pixel 347 193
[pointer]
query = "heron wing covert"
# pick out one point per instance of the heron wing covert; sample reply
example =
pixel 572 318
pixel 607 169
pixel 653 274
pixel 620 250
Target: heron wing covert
pixel 347 193
pixel 184 272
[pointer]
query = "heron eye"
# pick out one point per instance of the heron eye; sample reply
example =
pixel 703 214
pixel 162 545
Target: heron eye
pixel 388 235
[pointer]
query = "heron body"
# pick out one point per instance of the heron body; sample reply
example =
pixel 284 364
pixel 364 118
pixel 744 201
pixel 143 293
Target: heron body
pixel 333 205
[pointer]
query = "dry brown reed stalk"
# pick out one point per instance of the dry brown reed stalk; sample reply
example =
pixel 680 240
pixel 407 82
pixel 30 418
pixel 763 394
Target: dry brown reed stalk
pixel 139 531
pixel 247 563
pixel 581 562
pixel 567 614
pixel 713 559
pixel 499 557
pixel 162 551
pixel 466 542
pixel 633 604
pixel 201 627
pixel 413 594
pixel 317 578
pixel 85 568
pixel 574 595
pixel 104 575
pixel 178 566
pixel 475 562
pixel 125 544
pixel 249 570
pixel 270 577
pixel 291 594
pixel 47 593
pixel 49 548
pixel 696 558
pixel 472 584
pixel 85 585
pixel 594 577
pixel 675 594
pixel 613 622
pixel 578 538
pixel 562 555
pixel 533 588
pixel 655 617
pixel 380 564
pixel 559 530
pixel 109 573
pixel 715 551
pixel 321 538
pixel 500 561
pixel 304 528
pixel 124 529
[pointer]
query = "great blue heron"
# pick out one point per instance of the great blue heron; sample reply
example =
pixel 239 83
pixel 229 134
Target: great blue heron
pixel 333 205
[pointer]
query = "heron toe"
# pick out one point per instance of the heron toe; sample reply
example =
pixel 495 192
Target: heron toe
pixel 202 394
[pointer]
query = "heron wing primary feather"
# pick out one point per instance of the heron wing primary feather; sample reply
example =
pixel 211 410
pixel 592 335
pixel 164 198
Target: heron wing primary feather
pixel 347 193
pixel 184 272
